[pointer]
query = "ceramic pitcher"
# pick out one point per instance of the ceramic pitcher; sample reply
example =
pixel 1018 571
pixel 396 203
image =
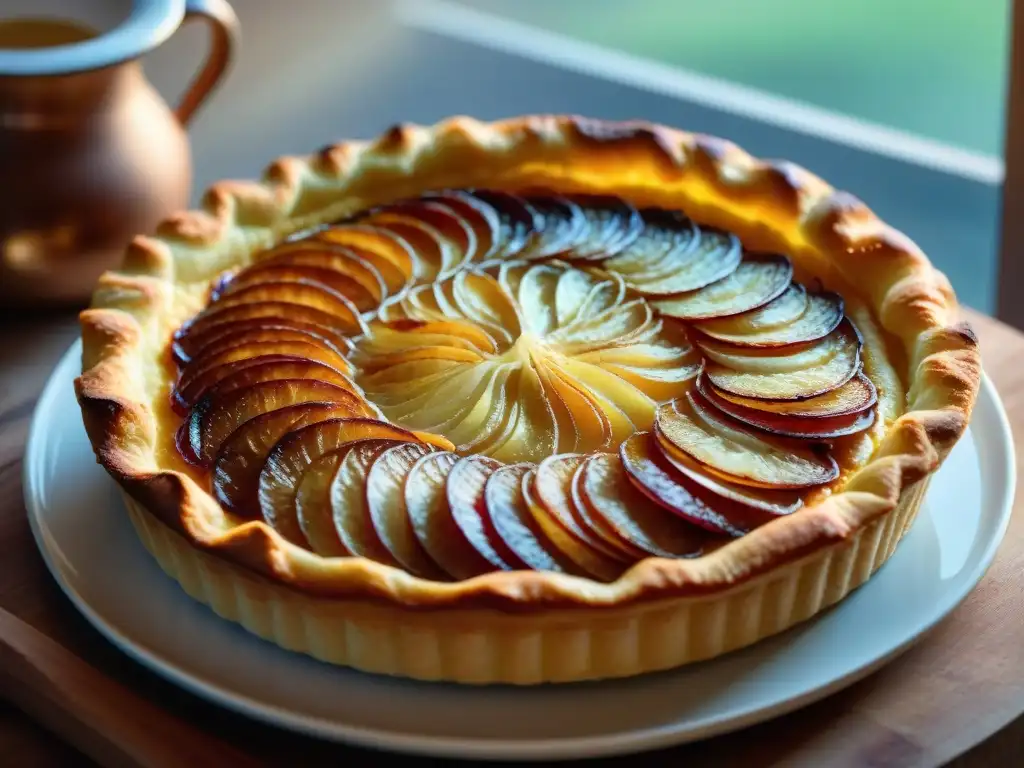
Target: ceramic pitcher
pixel 90 155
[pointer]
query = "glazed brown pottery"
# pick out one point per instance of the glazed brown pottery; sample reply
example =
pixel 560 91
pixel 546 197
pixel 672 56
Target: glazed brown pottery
pixel 90 155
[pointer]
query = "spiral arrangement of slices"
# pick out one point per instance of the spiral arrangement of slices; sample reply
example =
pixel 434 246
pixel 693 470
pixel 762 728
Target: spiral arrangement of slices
pixel 523 360
pixel 475 380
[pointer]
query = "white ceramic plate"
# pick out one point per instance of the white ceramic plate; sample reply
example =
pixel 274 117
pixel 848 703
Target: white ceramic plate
pixel 89 545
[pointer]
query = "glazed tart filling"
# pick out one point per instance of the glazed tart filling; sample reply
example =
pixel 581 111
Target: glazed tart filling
pixel 475 380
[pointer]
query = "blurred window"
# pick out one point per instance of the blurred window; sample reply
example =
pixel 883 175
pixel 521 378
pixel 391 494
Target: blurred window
pixel 935 68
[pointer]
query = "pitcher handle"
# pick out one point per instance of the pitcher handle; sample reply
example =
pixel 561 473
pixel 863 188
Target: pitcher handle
pixel 225 34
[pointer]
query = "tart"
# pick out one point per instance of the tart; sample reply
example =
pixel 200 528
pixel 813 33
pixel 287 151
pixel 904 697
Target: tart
pixel 541 400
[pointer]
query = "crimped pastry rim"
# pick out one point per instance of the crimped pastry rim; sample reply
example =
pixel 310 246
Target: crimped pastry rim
pixel 713 180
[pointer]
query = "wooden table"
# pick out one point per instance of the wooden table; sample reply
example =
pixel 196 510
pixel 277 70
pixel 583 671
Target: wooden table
pixel 944 698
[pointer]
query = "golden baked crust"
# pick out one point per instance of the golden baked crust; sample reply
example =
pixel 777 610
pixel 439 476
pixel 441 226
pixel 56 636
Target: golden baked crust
pixel 771 205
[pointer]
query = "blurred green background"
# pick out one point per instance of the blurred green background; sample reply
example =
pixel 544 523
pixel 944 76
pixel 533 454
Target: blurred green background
pixel 931 67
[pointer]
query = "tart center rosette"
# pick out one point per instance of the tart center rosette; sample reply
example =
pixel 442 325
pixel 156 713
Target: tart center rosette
pixel 474 381
pixel 524 360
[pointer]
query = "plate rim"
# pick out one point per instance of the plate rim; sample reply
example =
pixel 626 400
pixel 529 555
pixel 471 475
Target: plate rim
pixel 628 742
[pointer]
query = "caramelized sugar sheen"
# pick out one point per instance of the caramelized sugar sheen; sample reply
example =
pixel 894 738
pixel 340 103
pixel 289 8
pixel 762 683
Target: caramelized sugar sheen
pixel 477 380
